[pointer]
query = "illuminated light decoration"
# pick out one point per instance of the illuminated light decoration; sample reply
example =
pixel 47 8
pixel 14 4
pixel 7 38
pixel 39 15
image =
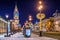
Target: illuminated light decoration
pixel 40 15
pixel 16 22
pixel 56 22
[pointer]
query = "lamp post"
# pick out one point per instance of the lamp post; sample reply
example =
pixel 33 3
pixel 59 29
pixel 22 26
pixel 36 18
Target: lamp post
pixel 7 26
pixel 40 7
pixel 40 16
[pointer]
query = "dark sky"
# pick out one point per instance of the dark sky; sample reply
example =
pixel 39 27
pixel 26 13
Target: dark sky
pixel 28 7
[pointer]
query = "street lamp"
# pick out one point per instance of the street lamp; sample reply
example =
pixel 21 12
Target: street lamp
pixel 7 25
pixel 7 16
pixel 40 2
pixel 30 18
pixel 40 7
pixel 40 16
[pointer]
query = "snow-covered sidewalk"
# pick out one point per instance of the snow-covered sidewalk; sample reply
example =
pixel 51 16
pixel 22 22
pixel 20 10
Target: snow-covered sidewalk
pixel 20 36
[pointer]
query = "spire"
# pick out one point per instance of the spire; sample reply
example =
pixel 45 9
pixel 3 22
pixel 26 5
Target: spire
pixel 16 13
pixel 16 8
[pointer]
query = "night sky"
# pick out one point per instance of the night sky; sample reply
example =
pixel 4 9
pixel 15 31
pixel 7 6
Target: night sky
pixel 28 7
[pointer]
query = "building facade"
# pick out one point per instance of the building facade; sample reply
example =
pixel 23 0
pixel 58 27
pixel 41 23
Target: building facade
pixel 3 25
pixel 57 20
pixel 15 21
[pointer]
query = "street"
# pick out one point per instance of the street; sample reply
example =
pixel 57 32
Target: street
pixel 29 19
pixel 20 36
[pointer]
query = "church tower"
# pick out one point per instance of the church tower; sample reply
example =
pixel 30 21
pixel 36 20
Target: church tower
pixel 16 14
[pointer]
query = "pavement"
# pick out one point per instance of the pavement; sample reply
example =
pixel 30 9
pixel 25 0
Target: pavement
pixel 20 36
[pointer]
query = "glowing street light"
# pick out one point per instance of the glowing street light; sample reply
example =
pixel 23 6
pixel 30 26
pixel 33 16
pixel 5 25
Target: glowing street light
pixel 7 16
pixel 40 7
pixel 30 18
pixel 40 2
pixel 56 22
pixel 40 16
pixel 7 26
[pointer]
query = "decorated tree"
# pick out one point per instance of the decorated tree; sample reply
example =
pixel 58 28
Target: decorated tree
pixel 50 24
